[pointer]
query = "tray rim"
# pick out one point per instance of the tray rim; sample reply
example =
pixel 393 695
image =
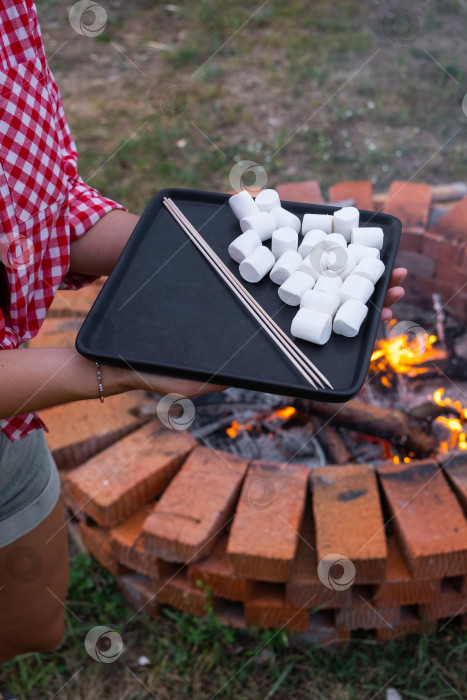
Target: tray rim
pixel 256 384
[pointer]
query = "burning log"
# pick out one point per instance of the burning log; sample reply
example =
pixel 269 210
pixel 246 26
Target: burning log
pixel 396 426
pixel 428 411
pixel 331 442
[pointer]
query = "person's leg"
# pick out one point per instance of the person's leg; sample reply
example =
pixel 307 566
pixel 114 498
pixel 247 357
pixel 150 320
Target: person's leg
pixel 33 585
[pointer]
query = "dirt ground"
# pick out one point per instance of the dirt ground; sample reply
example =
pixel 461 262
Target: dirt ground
pixel 175 94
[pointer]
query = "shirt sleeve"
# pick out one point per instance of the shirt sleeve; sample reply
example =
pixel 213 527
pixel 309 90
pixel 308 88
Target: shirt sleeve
pixel 87 206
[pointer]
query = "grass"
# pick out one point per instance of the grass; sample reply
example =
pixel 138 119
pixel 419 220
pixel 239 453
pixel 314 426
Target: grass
pixel 268 87
pixel 199 658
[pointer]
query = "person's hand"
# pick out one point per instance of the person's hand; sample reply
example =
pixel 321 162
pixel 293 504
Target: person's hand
pixel 395 291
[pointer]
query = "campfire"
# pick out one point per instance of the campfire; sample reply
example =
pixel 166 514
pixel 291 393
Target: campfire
pixel 397 416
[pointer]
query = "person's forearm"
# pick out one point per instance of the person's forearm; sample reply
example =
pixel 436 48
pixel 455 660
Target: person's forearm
pixel 37 378
pixel 99 249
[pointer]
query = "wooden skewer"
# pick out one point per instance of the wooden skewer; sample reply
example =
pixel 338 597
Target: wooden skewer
pixel 311 373
pixel 228 278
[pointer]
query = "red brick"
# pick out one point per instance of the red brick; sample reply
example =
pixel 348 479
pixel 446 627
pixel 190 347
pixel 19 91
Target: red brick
pixel 409 623
pixel 361 191
pixel 411 241
pixel 97 542
pixel 127 544
pixel 264 535
pixel 188 520
pixel 452 224
pixel 139 593
pixel 78 431
pixel 56 333
pixel 455 275
pixel 365 615
pixel 321 631
pixel 418 264
pixel 456 470
pixel 449 603
pixel 217 573
pixel 308 191
pixel 167 569
pixel 304 588
pixel 457 306
pixel 349 520
pixel 410 202
pixel 179 593
pixel 75 302
pixel 443 249
pixel 268 609
pixel 400 588
pixel 428 521
pixel 115 483
pixel 419 290
pixel 425 287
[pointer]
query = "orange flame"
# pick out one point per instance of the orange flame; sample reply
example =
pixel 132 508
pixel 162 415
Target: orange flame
pixel 236 427
pixel 284 413
pixel 404 356
pixel 458 437
pixel 438 398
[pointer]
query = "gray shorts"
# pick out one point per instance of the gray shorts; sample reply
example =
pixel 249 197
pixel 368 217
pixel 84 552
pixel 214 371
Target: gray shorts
pixel 29 485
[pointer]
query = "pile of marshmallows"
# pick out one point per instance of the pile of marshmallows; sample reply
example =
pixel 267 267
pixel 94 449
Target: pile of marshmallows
pixel 330 275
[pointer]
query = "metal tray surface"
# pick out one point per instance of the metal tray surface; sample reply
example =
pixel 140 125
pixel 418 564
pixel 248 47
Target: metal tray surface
pixel 164 309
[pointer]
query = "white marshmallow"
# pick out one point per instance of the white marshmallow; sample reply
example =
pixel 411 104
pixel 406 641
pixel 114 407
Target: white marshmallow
pixel 338 261
pixel 257 264
pixel 284 218
pixel 294 287
pixel 363 251
pixel 267 200
pixel 310 240
pixel 243 204
pixel 349 318
pixel 287 263
pixel 370 268
pixel 243 245
pixel 312 326
pixel 319 221
pixel 319 256
pixel 337 239
pixel 307 266
pixel 345 220
pixel 369 235
pixel 262 223
pixel 331 285
pixel 320 301
pixel 356 287
pixel 283 239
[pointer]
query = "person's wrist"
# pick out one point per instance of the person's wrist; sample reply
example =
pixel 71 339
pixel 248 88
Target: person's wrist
pixel 116 380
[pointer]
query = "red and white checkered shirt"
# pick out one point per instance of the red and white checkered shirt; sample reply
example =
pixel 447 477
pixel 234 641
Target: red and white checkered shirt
pixel 44 204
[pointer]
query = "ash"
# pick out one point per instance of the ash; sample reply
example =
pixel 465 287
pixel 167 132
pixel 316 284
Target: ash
pixel 256 432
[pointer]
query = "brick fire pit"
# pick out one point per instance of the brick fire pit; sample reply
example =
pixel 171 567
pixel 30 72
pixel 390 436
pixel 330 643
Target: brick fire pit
pixel 163 513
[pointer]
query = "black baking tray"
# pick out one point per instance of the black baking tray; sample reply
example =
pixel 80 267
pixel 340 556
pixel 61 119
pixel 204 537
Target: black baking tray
pixel 164 309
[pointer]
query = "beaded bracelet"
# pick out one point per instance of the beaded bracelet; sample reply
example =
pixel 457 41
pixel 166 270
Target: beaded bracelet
pixel 99 382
